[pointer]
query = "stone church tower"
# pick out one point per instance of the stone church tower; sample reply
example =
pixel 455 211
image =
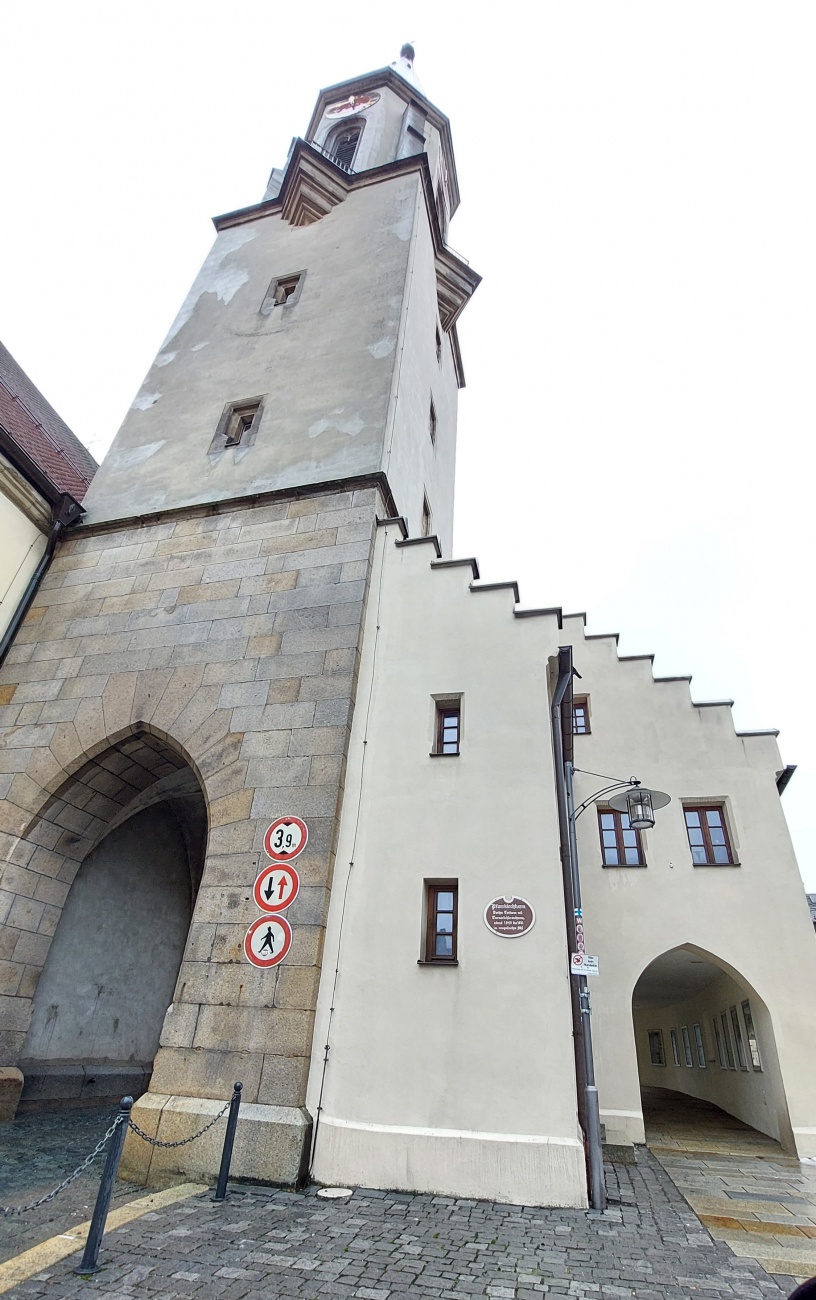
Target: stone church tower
pixel 188 671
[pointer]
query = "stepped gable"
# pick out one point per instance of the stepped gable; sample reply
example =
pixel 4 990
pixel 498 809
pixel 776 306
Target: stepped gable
pixel 36 430
pixel 555 611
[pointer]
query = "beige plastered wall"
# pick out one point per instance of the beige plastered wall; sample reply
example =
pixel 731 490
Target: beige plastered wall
pixel 22 544
pixel 751 919
pixel 452 1080
pixel 755 1096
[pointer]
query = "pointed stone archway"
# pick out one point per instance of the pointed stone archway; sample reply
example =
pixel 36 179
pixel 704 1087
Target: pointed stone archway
pixel 705 1038
pixel 123 840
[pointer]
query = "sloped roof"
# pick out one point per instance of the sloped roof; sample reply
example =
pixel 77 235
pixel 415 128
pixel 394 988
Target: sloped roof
pixel 42 436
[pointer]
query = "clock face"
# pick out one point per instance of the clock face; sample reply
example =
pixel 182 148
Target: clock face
pixel 354 104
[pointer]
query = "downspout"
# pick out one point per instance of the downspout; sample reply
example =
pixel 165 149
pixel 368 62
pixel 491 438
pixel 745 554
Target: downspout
pixel 64 512
pixel 587 1092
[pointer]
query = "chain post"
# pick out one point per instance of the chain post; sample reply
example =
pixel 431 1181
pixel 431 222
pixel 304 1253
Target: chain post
pixel 90 1255
pixel 229 1139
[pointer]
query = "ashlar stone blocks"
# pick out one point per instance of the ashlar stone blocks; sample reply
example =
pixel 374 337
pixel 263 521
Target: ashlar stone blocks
pixel 228 640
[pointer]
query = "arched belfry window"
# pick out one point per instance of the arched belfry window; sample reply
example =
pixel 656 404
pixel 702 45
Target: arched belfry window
pixel 341 143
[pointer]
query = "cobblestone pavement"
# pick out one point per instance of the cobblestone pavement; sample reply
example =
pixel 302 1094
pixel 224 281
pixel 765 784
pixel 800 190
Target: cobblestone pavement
pixel 36 1153
pixel 743 1186
pixel 389 1246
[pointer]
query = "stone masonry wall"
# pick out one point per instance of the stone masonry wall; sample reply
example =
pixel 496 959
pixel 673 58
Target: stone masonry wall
pixel 232 639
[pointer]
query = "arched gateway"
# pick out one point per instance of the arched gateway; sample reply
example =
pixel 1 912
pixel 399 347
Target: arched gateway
pixel 123 839
pixel 702 1031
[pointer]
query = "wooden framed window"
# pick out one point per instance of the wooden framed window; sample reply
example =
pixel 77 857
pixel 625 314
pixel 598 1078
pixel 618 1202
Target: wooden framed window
pixel 426 518
pixel 675 1046
pixel 753 1045
pixel 442 906
pixel 656 1053
pixel 448 727
pixel 580 715
pixel 621 845
pixel 707 835
pixel 686 1046
pixel 432 422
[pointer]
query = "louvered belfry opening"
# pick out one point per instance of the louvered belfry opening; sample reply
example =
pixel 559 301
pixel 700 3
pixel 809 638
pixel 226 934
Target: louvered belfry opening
pixel 343 145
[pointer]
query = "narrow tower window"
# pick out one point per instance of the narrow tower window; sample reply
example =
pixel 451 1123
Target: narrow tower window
pixel 238 426
pixel 282 292
pixel 432 422
pixel 438 345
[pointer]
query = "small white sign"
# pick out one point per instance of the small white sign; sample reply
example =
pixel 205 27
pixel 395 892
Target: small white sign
pixel 582 964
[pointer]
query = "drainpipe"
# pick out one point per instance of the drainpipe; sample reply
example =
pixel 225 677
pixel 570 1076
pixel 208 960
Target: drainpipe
pixel 64 512
pixel 588 1107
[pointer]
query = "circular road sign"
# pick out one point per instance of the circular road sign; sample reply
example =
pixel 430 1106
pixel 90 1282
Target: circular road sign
pixel 286 838
pixel 276 887
pixel 267 941
pixel 509 917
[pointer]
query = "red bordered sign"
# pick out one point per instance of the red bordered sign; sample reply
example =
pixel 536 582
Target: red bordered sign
pixel 276 887
pixel 267 941
pixel 286 838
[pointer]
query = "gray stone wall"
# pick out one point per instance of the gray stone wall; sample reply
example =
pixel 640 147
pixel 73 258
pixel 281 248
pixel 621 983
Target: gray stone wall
pixel 224 641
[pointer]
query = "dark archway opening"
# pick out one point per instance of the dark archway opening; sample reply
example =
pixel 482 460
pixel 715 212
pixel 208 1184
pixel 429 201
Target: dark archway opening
pixel 114 959
pixel 706 1053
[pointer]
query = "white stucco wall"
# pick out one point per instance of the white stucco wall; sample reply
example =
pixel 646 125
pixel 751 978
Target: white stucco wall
pixel 753 917
pixel 450 1080
pixel 461 1080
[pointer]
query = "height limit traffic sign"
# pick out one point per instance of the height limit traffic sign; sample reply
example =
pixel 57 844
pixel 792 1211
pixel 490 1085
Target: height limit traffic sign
pixel 285 839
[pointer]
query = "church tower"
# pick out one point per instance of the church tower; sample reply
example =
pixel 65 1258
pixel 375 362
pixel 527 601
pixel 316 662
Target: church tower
pixel 187 674
pixel 318 344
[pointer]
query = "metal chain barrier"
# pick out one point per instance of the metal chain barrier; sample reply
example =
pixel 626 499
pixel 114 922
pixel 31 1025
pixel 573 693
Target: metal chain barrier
pixel 156 1142
pixel 66 1182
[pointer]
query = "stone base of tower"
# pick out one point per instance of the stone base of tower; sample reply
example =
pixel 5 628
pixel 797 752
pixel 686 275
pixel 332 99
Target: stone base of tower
pixel 505 1167
pixel 272 1143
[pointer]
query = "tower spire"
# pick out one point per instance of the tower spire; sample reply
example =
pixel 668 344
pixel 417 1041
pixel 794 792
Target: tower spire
pixel 404 65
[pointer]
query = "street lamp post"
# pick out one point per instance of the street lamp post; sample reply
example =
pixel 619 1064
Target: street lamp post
pixel 639 804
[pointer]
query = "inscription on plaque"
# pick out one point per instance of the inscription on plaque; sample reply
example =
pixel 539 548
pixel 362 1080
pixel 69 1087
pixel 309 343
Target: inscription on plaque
pixel 509 917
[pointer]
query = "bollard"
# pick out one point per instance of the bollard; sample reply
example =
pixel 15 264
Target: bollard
pixel 229 1140
pixel 90 1255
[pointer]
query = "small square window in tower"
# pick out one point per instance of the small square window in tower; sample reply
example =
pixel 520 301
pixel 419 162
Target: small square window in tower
pixel 238 426
pixel 432 422
pixel 283 292
pixel 425 527
pixel 441 908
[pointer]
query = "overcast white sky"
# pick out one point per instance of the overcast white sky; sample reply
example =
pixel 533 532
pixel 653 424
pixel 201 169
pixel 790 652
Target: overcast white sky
pixel 638 192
